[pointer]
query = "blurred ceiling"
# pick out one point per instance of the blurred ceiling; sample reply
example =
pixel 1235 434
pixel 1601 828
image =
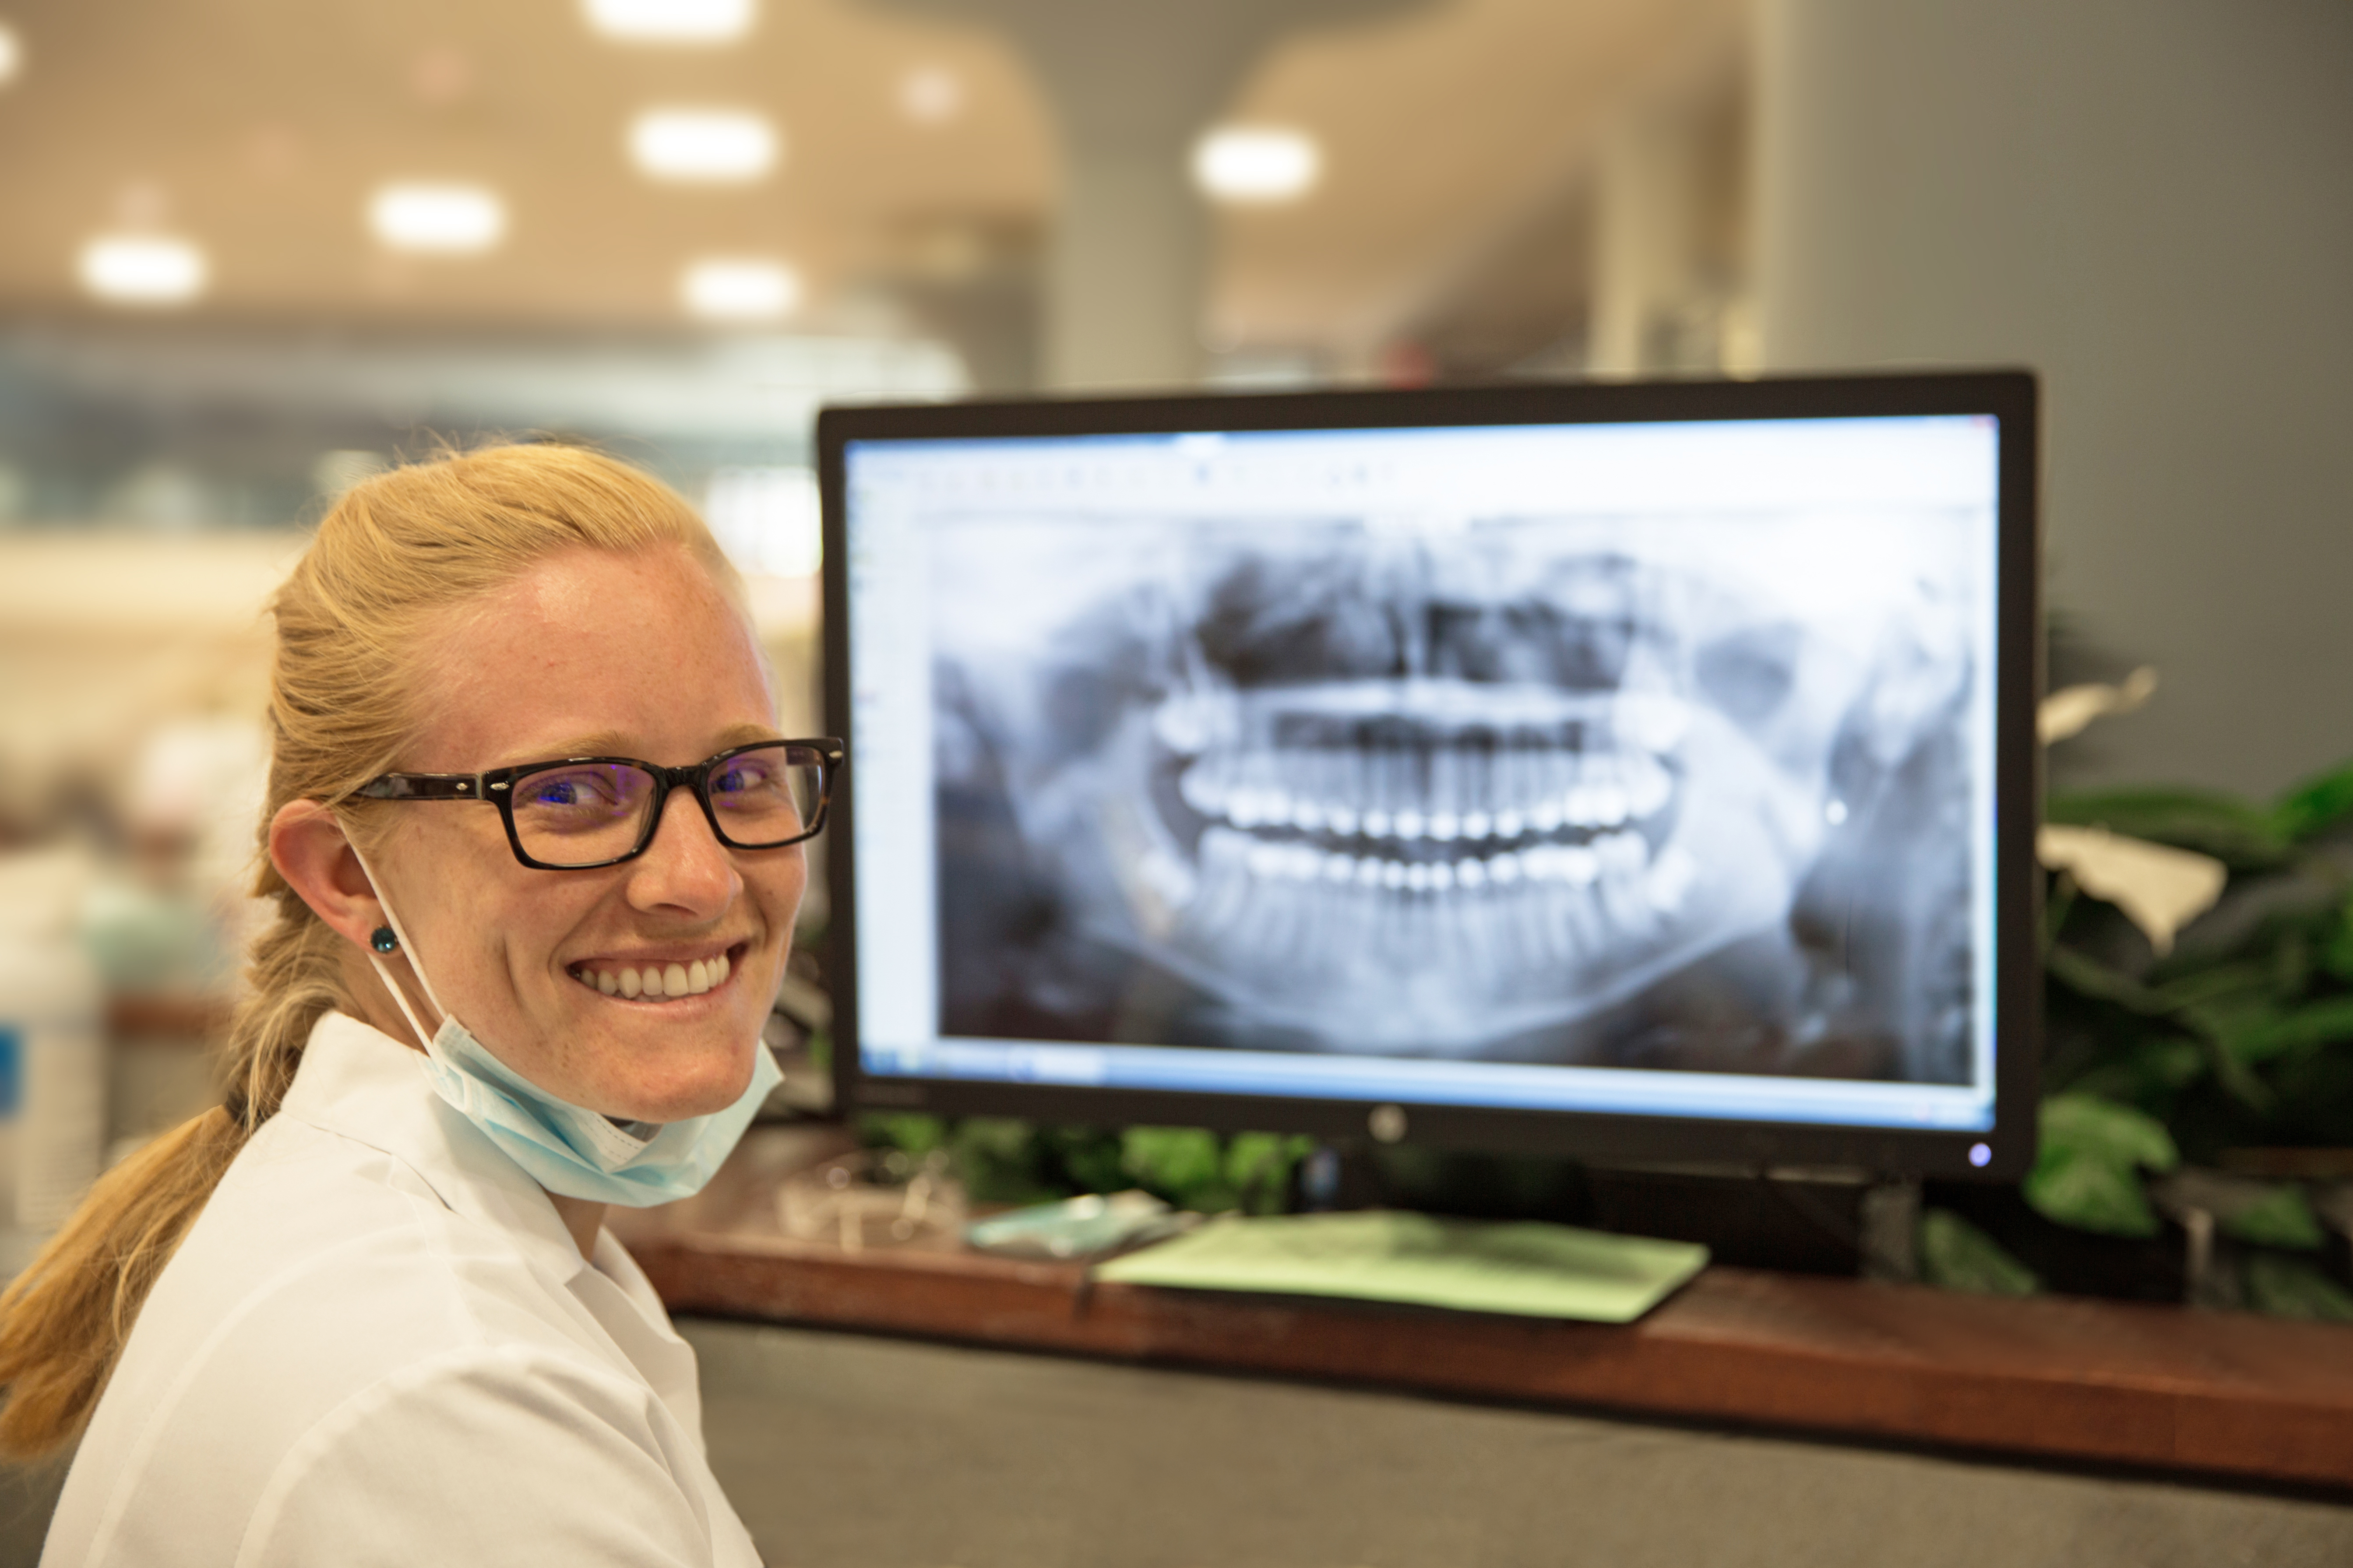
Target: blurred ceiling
pixel 259 127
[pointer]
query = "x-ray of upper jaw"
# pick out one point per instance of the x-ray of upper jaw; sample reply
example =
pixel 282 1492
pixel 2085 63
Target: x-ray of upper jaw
pixel 1686 794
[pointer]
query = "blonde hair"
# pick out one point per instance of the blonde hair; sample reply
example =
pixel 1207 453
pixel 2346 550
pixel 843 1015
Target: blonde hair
pixel 394 556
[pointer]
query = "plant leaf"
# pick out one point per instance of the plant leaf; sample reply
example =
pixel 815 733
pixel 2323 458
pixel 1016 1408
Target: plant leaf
pixel 2281 1218
pixel 2324 1023
pixel 2100 1129
pixel 2216 984
pixel 915 1134
pixel 2316 805
pixel 2209 821
pixel 2147 1073
pixel 1956 1255
pixel 2088 977
pixel 1181 1163
pixel 2293 1288
pixel 2088 1171
pixel 2337 957
pixel 2090 1193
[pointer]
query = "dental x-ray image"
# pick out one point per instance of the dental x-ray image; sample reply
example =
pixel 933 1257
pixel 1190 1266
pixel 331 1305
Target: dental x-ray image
pixel 1683 792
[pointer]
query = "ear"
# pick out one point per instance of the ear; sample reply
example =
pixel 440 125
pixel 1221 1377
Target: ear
pixel 308 847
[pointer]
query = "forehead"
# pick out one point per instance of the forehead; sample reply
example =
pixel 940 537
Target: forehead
pixel 642 646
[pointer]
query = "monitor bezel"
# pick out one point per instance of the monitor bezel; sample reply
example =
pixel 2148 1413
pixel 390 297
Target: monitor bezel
pixel 2011 397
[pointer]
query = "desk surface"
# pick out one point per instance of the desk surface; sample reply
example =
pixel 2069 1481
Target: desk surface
pixel 2220 1393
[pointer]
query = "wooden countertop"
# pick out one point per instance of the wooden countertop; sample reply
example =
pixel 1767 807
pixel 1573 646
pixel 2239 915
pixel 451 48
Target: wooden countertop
pixel 2226 1394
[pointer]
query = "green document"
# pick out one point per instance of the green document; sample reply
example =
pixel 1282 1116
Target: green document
pixel 1527 1267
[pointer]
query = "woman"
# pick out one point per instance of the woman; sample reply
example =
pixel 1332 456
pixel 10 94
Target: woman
pixel 364 1312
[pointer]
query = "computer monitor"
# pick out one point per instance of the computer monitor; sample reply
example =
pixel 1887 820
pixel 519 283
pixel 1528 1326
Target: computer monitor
pixel 1635 773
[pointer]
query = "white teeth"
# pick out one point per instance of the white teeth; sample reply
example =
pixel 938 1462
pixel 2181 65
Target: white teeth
pixel 726 968
pixel 606 982
pixel 697 977
pixel 631 985
pixel 1671 879
pixel 1620 853
pixel 673 978
pixel 1343 820
pixel 1477 824
pixel 1408 823
pixel 1201 792
pixel 1653 721
pixel 1648 786
pixel 1508 824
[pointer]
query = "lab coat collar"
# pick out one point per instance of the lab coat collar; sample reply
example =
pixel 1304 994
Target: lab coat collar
pixel 359 1082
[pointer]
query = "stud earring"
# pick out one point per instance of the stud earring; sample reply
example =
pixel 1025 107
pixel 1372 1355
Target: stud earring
pixel 382 940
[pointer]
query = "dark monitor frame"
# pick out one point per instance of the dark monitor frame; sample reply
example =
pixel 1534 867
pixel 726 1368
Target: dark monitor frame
pixel 2011 397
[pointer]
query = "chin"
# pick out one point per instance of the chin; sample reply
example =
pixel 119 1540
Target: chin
pixel 680 1090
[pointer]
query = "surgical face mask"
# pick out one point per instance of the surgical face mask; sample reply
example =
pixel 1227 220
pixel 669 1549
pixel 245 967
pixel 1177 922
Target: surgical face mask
pixel 569 1150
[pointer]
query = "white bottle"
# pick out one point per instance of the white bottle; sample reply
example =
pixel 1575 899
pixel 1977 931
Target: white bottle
pixel 52 1045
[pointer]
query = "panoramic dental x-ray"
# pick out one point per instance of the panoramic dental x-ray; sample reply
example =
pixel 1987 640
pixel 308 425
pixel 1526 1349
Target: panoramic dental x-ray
pixel 1516 786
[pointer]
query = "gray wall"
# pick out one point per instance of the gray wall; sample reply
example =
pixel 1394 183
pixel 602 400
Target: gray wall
pixel 2151 202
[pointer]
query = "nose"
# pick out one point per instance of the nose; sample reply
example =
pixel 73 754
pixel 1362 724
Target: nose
pixel 685 868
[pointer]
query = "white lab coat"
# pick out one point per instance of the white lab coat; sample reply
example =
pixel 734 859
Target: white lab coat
pixel 378 1344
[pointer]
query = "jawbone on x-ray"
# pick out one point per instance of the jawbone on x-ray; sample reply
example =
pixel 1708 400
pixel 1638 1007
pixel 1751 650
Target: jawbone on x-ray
pixel 1667 794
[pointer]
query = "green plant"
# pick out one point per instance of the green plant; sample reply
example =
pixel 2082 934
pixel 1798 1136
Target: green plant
pixel 1001 1161
pixel 2239 1037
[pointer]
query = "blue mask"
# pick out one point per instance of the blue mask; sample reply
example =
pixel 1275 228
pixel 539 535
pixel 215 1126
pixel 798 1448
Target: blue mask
pixel 574 1152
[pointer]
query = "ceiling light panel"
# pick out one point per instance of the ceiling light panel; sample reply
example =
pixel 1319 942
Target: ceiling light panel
pixel 1257 165
pixel 437 218
pixel 702 146
pixel 724 288
pixel 12 54
pixel 143 269
pixel 930 95
pixel 688 22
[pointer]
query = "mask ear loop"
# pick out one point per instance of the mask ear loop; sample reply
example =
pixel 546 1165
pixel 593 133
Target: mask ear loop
pixel 399 997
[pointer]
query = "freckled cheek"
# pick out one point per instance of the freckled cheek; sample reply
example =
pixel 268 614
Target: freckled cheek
pixel 780 897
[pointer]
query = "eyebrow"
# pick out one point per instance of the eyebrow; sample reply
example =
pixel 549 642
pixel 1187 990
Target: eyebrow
pixel 612 744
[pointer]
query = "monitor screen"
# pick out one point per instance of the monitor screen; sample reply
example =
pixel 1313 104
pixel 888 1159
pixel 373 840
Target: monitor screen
pixel 1644 770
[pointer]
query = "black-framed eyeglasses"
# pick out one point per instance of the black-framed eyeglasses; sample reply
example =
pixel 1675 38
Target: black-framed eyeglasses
pixel 573 814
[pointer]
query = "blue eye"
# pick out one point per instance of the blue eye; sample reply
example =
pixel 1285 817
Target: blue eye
pixel 738 776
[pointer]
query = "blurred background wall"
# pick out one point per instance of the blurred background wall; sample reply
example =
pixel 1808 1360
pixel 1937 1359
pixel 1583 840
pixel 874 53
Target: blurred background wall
pixel 252 251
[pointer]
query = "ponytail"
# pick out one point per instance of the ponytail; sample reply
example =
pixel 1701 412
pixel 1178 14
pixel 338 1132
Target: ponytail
pixel 63 1320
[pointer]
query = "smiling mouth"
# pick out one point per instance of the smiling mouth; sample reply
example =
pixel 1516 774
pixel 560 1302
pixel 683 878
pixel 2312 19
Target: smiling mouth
pixel 666 981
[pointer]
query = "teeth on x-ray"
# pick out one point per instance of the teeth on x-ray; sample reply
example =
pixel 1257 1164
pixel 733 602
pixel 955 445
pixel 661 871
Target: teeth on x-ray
pixel 1388 795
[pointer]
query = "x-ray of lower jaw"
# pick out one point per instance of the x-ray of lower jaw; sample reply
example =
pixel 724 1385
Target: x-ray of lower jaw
pixel 1692 795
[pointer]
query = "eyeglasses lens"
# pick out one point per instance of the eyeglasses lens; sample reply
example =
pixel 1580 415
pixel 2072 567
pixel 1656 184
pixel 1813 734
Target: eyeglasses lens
pixel 584 814
pixel 769 796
